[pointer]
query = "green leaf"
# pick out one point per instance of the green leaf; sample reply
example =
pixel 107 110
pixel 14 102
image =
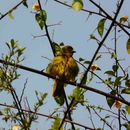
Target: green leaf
pixel 59 100
pixel 117 81
pixel 36 92
pixel 110 101
pixel 123 19
pixel 108 82
pixel 126 91
pixel 25 3
pixel 78 95
pixel 13 44
pixel 56 124
pixel 87 62
pixel 1 113
pixel 10 15
pixel 127 126
pixel 113 56
pixel 81 59
pixel 115 68
pixel 62 44
pixel 93 37
pixel 100 26
pixel 127 109
pixel 56 48
pixel 98 57
pixel 6 110
pixel 109 72
pixel 77 5
pixel 43 96
pixel 48 68
pixel 6 118
pixel 128 46
pixel 20 51
pixel 41 18
pixel 127 83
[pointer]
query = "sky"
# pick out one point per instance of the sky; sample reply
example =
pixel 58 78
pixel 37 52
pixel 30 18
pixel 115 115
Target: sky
pixel 74 30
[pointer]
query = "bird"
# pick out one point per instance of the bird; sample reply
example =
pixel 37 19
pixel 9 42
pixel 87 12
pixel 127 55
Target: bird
pixel 63 67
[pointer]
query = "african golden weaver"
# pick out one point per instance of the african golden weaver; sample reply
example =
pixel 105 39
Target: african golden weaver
pixel 64 67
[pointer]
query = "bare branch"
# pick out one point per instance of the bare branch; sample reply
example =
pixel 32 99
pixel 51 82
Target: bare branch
pixel 68 109
pixel 67 82
pixel 3 15
pixel 103 40
pixel 48 116
pixel 107 16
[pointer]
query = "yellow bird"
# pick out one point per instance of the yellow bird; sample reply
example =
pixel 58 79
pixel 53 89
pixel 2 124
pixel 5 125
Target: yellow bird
pixel 63 67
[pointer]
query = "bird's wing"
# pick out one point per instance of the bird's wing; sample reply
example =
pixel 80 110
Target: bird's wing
pixel 57 66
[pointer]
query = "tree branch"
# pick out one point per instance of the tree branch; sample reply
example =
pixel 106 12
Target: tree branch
pixel 3 15
pixel 103 40
pixel 48 116
pixel 51 44
pixel 46 29
pixel 107 15
pixel 67 111
pixel 67 82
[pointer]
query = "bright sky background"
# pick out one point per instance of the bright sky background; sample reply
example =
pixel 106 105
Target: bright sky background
pixel 75 31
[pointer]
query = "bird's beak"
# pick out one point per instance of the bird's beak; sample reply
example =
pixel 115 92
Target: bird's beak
pixel 73 51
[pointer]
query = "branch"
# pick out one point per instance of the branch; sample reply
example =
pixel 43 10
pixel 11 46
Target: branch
pixel 51 117
pixel 18 106
pixel 69 114
pixel 53 50
pixel 46 29
pixel 98 6
pixel 102 119
pixel 107 16
pixel 67 82
pixel 67 111
pixel 3 15
pixel 103 40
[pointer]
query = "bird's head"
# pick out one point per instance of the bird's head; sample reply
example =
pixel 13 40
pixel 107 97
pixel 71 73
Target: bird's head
pixel 67 51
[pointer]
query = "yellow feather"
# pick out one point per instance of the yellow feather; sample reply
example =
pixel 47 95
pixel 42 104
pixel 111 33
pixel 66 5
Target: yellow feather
pixel 63 66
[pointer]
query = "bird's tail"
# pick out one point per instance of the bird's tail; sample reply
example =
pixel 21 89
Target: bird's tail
pixel 58 89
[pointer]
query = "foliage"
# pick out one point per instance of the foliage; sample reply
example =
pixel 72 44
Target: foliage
pixel 41 18
pixel 100 26
pixel 113 82
pixel 56 124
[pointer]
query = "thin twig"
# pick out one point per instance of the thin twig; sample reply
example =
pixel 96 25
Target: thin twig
pixel 92 12
pixel 53 50
pixel 3 15
pixel 103 109
pixel 21 97
pixel 18 106
pixel 46 58
pixel 48 116
pixel 69 114
pixel 103 40
pixel 116 60
pixel 94 74
pixel 46 29
pixel 68 109
pixel 38 36
pixel 108 16
pixel 50 25
pixel 103 119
